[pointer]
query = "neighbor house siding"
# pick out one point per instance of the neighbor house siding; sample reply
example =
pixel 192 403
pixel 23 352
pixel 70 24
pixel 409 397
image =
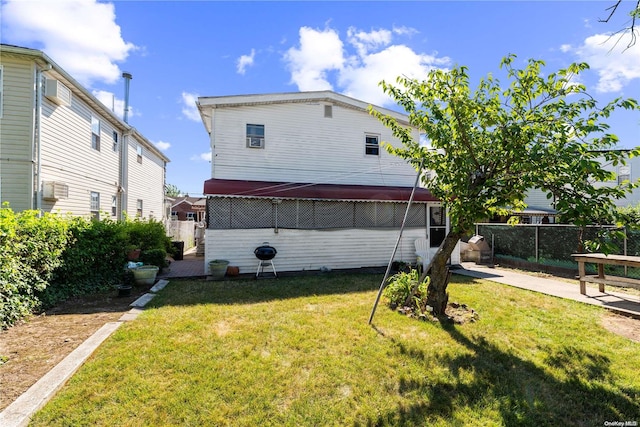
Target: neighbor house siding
pixel 67 157
pixel 300 250
pixel 143 180
pixel 16 133
pixel 301 145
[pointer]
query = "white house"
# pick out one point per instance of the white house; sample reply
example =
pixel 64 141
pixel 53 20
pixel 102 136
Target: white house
pixel 307 173
pixel 62 150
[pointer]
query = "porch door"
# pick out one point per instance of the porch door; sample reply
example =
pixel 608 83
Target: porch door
pixel 437 228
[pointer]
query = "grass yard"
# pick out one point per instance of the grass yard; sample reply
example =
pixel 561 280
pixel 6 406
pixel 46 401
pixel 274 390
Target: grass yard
pixel 299 352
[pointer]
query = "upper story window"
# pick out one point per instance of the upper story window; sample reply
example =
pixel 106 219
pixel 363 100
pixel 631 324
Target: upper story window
pixel 255 136
pixel 139 208
pixel 95 205
pixel 372 145
pixel 115 141
pixel 95 133
pixel 114 205
pixel 139 153
pixel 328 111
pixel 624 173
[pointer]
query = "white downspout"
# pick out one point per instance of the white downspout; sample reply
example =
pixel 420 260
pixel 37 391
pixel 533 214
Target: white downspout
pixel 123 189
pixel 37 130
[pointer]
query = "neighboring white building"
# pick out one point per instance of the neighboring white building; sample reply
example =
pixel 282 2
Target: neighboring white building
pixel 307 172
pixel 62 150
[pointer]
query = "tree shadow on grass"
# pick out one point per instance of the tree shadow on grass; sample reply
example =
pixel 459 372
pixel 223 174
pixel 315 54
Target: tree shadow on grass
pixel 523 393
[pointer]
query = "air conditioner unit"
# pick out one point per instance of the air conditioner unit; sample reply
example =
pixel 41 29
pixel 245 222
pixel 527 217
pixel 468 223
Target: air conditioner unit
pixel 52 190
pixel 56 92
pixel 255 142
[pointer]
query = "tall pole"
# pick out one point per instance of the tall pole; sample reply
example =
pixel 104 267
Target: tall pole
pixel 395 249
pixel 127 79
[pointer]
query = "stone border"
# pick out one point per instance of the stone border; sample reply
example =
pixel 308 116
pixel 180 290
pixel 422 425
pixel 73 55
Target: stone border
pixel 18 413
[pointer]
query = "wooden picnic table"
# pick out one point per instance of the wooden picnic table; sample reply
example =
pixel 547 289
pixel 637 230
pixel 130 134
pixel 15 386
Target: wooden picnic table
pixel 601 278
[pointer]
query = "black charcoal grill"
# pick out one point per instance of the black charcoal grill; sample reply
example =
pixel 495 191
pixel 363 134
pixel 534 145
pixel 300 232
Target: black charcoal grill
pixel 265 255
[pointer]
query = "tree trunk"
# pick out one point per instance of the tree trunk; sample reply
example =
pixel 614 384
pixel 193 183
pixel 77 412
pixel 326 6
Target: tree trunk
pixel 437 296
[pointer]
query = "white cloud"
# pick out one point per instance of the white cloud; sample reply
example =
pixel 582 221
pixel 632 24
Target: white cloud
pixel 373 57
pixel 319 53
pixel 114 103
pixel 246 61
pixel 609 57
pixel 80 35
pixel 202 157
pixel 189 107
pixel 162 146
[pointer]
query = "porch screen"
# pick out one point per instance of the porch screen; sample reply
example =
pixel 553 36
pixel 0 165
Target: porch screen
pixel 243 213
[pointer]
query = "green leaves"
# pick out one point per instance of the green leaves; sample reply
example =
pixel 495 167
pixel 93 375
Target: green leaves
pixel 496 142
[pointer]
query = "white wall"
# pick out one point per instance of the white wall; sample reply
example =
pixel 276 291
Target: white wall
pixel 301 145
pixel 300 250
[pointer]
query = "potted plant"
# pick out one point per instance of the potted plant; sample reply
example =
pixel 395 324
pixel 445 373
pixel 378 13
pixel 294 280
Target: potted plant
pixel 218 268
pixel 133 252
pixel 145 274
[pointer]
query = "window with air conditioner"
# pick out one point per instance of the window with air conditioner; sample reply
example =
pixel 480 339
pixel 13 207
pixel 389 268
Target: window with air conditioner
pixel 114 205
pixel 255 136
pixel 56 92
pixel 624 173
pixel 139 208
pixel 372 145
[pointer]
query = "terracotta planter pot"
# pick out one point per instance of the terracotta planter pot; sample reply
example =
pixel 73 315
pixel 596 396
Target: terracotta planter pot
pixel 233 271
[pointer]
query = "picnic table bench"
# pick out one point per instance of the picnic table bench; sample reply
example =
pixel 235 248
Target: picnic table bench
pixel 601 279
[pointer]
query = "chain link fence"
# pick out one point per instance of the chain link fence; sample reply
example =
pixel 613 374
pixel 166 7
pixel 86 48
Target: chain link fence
pixel 553 244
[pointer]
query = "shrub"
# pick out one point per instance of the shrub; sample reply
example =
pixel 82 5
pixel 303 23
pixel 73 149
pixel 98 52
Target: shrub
pixel 157 257
pixel 30 250
pixel 399 288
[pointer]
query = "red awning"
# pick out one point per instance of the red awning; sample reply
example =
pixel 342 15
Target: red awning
pixel 289 190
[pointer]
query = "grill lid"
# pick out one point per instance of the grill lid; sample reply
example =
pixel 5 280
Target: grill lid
pixel 265 252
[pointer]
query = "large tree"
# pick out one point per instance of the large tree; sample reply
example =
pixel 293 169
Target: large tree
pixel 486 147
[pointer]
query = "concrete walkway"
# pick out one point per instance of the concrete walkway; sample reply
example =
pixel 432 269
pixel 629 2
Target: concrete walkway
pixel 618 302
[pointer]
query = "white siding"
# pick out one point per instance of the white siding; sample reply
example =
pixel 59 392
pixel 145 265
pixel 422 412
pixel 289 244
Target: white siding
pixel 300 250
pixel 16 133
pixel 301 145
pixel 67 157
pixel 145 182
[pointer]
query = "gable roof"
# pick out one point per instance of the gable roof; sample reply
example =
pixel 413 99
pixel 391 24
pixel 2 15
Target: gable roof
pixel 207 103
pixel 54 70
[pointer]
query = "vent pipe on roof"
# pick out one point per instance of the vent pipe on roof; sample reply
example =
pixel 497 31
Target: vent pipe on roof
pixel 127 78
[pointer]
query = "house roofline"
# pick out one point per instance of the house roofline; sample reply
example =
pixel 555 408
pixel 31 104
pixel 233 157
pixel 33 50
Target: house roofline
pixel 206 103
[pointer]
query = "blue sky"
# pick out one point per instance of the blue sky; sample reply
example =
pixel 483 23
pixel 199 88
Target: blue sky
pixel 179 50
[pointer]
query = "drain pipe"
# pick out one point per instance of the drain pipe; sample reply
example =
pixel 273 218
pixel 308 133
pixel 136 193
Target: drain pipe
pixel 127 79
pixel 37 130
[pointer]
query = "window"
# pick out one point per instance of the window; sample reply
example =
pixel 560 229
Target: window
pixel 371 145
pixel 115 141
pixel 190 216
pixel 624 173
pixel 139 208
pixel 328 111
pixel 139 153
pixel 95 133
pixel 174 215
pixel 437 225
pixel 114 205
pixel 95 205
pixel 255 136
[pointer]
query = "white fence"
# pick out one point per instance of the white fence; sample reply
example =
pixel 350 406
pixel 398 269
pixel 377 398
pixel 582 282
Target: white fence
pixel 182 231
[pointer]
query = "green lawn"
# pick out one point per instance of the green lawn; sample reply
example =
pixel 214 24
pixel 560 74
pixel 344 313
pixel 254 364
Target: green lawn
pixel 299 352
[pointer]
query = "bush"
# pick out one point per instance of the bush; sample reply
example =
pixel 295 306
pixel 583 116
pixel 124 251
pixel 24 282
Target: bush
pixel 157 257
pixel 399 288
pixel 30 250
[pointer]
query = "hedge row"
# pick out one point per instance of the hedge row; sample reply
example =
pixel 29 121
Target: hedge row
pixel 45 259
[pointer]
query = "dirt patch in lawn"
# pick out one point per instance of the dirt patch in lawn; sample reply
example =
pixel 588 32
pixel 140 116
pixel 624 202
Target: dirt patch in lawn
pixel 33 347
pixel 626 326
